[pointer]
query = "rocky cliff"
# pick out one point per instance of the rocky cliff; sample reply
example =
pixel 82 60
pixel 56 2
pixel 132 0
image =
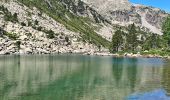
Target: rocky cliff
pixel 124 13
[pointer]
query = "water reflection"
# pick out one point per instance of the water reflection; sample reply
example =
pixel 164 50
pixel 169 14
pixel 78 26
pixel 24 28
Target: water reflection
pixel 166 78
pixel 77 77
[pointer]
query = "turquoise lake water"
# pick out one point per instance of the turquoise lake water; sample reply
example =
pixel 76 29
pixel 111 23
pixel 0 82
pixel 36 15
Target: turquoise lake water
pixel 78 77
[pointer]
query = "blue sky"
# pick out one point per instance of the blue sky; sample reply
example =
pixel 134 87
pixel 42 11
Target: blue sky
pixel 163 4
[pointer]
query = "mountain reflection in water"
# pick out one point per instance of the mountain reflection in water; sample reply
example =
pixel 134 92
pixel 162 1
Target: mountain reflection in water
pixel 78 77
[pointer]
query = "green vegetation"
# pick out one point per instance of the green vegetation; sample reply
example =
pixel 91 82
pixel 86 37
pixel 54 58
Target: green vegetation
pixel 166 31
pixel 61 13
pixel 160 52
pixel 8 16
pixel 136 40
pixel 50 34
pixel 117 41
pixel 67 39
pixel 36 22
pixel 18 43
pixel 154 41
pixel 23 24
pixel 12 36
pixel 2 32
pixel 131 39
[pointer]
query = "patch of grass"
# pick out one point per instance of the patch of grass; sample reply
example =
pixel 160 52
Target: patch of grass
pixel 156 52
pixel 12 36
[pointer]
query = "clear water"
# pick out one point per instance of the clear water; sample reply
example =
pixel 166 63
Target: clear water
pixel 78 77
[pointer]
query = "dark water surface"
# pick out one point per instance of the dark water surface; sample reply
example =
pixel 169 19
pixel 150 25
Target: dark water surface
pixel 78 77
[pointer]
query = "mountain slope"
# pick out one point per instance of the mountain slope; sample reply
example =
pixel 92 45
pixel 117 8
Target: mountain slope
pixel 71 25
pixel 29 30
pixel 124 13
pixel 104 6
pixel 64 12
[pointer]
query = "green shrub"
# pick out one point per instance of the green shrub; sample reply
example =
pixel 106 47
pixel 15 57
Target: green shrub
pixel 18 43
pixel 36 22
pixel 23 24
pixel 50 34
pixel 12 36
pixel 39 28
pixel 67 39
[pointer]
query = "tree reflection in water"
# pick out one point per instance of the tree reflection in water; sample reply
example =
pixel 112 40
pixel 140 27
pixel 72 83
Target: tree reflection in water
pixel 166 78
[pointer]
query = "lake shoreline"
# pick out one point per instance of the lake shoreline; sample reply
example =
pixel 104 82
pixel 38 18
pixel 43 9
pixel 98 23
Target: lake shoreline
pixel 131 55
pixel 127 55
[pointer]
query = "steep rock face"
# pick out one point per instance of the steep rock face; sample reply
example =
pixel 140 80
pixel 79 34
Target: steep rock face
pixel 80 8
pixel 123 13
pixel 147 18
pixel 104 6
pixel 102 26
pixel 151 18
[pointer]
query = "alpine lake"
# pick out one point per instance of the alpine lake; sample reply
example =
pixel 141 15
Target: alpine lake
pixel 83 77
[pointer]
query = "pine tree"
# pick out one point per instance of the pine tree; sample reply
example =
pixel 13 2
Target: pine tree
pixel 131 38
pixel 117 41
pixel 166 31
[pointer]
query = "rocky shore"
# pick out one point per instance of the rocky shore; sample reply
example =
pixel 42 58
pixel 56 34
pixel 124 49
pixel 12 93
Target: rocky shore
pixel 12 50
pixel 46 46
pixel 87 50
pixel 131 55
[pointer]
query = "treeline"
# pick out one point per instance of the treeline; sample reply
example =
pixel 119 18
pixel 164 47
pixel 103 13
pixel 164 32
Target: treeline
pixel 134 40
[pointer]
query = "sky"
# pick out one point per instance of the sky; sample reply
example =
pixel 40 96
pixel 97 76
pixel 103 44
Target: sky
pixel 163 4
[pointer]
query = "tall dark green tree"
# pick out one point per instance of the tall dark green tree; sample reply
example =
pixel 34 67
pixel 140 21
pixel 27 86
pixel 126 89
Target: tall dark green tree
pixel 117 41
pixel 166 31
pixel 153 41
pixel 131 39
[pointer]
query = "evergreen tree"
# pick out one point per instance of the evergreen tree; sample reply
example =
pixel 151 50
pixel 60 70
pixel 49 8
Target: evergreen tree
pixel 166 31
pixel 117 41
pixel 131 39
pixel 15 17
pixel 154 41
